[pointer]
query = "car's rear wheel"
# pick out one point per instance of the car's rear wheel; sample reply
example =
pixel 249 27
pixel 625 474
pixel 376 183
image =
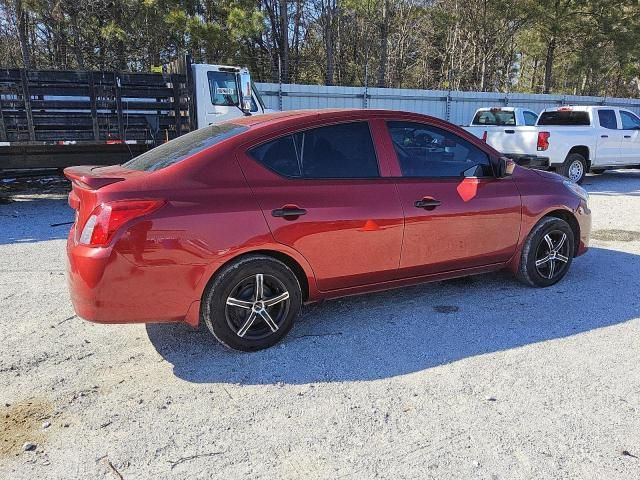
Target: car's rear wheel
pixel 547 253
pixel 574 167
pixel 251 303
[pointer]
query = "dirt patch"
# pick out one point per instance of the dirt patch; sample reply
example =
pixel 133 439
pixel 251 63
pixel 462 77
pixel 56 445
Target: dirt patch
pixel 616 235
pixel 22 422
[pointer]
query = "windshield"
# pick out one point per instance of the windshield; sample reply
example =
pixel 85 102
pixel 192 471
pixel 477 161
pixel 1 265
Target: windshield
pixel 495 117
pixel 183 147
pixel 564 117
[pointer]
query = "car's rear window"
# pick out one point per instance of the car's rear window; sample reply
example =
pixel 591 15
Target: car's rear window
pixel 495 117
pixel 183 147
pixel 564 117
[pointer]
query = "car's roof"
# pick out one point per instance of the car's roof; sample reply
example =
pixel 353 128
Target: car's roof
pixel 299 114
pixel 275 120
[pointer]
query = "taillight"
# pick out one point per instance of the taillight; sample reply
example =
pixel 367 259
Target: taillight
pixel 543 140
pixel 107 218
pixel 484 136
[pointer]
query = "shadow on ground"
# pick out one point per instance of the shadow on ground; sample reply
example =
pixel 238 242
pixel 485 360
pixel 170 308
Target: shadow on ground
pixel 613 182
pixel 403 331
pixel 29 220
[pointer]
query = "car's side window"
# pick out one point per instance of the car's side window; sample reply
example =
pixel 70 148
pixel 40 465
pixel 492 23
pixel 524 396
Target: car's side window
pixel 336 151
pixel 629 121
pixel 530 118
pixel 608 119
pixel 427 151
pixel 279 155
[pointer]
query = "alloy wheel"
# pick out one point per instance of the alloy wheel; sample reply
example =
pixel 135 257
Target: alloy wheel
pixel 552 254
pixel 257 307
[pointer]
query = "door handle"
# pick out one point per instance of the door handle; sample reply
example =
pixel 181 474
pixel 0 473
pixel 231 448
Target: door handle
pixel 428 203
pixel 288 212
pixel 627 136
pixel 509 131
pixel 604 136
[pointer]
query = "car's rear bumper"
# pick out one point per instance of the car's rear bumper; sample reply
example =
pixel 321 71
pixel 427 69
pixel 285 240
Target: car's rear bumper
pixel 105 287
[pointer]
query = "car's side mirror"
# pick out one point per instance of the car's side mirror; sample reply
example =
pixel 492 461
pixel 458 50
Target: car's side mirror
pixel 505 167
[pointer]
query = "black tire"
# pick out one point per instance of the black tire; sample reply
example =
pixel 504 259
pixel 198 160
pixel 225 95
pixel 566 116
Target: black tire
pixel 598 171
pixel 537 248
pixel 238 283
pixel 574 167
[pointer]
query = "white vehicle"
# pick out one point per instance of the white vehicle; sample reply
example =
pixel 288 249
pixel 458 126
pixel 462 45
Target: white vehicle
pixel 500 122
pixel 112 117
pixel 489 118
pixel 576 139
pixel 217 96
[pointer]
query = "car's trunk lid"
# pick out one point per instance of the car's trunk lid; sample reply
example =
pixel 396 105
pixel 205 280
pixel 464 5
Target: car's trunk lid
pixel 87 181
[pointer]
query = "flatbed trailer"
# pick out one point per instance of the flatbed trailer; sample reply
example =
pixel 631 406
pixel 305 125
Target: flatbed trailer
pixel 56 119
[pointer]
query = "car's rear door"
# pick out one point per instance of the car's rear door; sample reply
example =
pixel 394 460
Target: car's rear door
pixel 457 214
pixel 322 194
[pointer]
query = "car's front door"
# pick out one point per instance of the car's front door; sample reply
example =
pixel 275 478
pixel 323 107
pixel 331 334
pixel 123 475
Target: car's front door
pixel 457 214
pixel 322 194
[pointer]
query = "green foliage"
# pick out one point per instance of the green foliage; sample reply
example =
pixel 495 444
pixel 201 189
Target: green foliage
pixel 563 46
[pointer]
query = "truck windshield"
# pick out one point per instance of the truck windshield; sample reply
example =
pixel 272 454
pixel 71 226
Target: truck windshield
pixel 564 117
pixel 183 147
pixel 495 117
pixel 223 87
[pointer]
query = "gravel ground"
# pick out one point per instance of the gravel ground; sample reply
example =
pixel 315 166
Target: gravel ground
pixel 474 378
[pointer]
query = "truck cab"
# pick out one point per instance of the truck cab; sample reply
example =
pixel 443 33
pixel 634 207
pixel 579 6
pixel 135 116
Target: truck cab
pixel 217 94
pixel 503 117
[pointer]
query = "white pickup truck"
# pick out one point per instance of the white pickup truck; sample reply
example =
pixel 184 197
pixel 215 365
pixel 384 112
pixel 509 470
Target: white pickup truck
pixel 490 123
pixel 575 139
pixel 490 118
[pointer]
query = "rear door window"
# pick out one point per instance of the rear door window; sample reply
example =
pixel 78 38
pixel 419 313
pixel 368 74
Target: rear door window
pixel 608 119
pixel 564 117
pixel 183 147
pixel 336 151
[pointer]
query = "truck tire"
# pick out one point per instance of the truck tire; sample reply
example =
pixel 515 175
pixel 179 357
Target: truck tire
pixel 574 167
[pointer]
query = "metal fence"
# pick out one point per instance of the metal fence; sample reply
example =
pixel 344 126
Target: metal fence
pixel 456 107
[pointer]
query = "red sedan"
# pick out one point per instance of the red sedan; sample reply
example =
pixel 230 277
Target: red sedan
pixel 237 225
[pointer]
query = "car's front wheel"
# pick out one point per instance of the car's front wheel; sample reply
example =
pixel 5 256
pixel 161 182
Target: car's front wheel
pixel 547 253
pixel 251 303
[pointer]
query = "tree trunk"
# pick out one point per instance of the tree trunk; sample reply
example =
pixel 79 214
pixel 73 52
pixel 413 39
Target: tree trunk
pixel 284 40
pixel 384 36
pixel 330 14
pixel 534 75
pixel 548 65
pixel 21 16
